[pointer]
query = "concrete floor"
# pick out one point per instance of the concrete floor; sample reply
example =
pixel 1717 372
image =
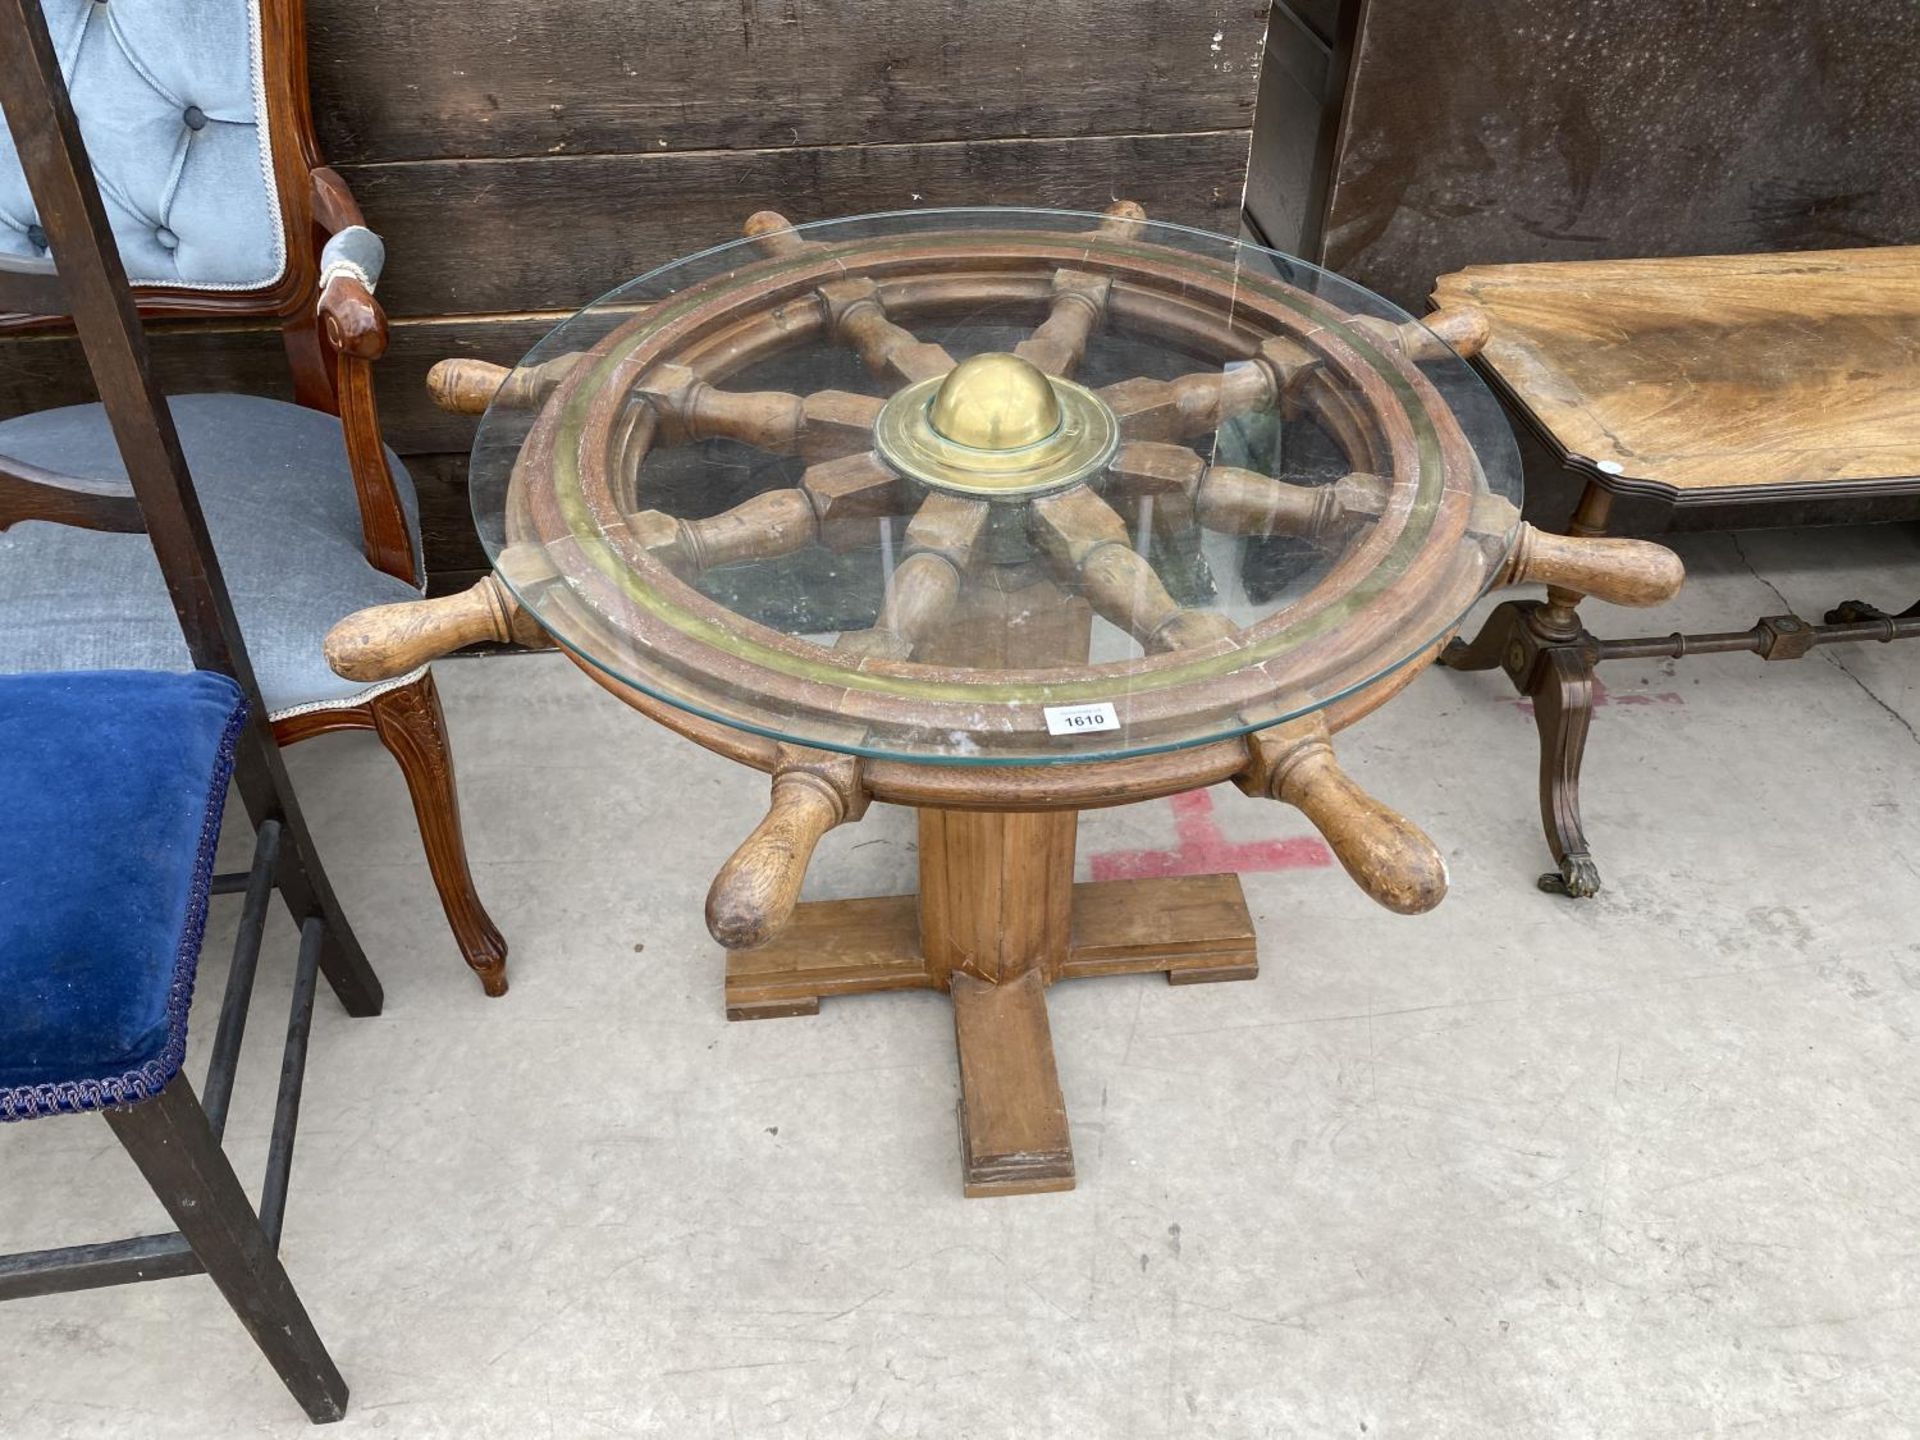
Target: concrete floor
pixel 1639 1166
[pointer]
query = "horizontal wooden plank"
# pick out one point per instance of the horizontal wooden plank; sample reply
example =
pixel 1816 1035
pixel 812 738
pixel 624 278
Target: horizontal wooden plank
pixel 493 236
pixel 443 79
pixel 40 372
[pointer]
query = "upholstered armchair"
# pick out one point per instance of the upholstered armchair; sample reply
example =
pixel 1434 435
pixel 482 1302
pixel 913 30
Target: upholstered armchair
pixel 196 116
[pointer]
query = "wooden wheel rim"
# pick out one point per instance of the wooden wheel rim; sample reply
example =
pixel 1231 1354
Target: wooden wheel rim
pixel 581 471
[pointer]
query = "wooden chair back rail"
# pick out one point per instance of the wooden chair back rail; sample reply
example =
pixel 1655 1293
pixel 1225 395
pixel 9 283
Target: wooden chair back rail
pixel 28 492
pixel 29 287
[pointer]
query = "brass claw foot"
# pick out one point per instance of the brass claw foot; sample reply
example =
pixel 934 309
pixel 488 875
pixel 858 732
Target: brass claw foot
pixel 1578 878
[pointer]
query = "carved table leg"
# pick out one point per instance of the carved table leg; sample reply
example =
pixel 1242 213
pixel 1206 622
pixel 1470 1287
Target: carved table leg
pixel 413 727
pixel 1562 691
pixel 1554 669
pixel 1549 656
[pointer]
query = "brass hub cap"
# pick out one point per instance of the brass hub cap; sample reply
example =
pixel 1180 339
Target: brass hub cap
pixel 997 427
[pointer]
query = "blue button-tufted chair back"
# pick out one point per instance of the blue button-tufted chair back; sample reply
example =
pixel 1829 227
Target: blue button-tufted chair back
pixel 171 99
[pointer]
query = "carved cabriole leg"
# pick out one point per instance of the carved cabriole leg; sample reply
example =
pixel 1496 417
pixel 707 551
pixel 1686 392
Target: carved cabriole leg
pixel 413 727
pixel 1554 670
pixel 1562 691
pixel 1548 655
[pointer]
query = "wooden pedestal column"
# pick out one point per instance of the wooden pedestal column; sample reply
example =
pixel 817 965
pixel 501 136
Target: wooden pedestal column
pixel 996 919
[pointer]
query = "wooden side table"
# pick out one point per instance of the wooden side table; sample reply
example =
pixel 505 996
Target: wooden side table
pixel 1744 380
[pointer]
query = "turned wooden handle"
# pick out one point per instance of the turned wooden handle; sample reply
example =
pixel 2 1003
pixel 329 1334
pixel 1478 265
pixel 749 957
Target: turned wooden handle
pixel 775 234
pixel 465 386
pixel 1387 855
pixel 387 641
pixel 1620 572
pixel 1465 328
pixel 754 894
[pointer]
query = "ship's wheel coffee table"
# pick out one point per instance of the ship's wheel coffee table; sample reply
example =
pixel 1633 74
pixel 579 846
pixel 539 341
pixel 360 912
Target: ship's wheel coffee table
pixel 1002 515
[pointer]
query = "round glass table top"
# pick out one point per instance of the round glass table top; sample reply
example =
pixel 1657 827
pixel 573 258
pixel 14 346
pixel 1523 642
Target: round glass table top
pixel 995 486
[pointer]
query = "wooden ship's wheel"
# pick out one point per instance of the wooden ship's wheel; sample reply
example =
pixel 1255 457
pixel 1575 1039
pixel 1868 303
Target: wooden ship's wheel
pixel 1042 630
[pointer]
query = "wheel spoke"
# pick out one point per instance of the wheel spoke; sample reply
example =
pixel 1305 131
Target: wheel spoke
pixel 1245 502
pixel 1152 467
pixel 775 523
pixel 1087 543
pixel 1079 305
pixel 849 494
pixel 922 592
pixel 856 315
pixel 822 426
pixel 1193 404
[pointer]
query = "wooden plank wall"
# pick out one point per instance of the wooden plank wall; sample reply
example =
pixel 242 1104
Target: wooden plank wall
pixel 521 157
pixel 1485 131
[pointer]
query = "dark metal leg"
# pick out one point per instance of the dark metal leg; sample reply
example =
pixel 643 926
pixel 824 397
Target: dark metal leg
pixel 260 774
pixel 1562 692
pixel 1554 669
pixel 1549 657
pixel 1488 649
pixel 170 1141
pixel 1852 612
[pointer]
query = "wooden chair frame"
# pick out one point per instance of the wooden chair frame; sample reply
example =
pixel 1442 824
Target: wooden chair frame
pixel 332 338
pixel 173 1137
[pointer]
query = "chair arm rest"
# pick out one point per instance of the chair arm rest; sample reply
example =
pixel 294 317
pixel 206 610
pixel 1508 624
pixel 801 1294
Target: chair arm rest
pixel 354 322
pixel 350 266
pixel 354 251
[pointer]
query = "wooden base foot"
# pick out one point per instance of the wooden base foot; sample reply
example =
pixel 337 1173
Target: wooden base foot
pixel 1196 928
pixel 997 920
pixel 774 1010
pixel 1013 1120
pixel 1213 976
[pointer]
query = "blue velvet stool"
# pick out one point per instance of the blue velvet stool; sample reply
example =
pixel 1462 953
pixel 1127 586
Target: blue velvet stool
pixel 114 783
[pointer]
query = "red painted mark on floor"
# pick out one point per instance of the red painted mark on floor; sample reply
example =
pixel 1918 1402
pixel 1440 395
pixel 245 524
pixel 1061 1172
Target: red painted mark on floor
pixel 1203 850
pixel 1603 697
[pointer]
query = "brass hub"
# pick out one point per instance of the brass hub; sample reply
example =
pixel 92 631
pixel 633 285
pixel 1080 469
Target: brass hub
pixel 997 427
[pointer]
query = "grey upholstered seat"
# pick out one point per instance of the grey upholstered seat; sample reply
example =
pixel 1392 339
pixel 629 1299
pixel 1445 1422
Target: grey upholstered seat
pixel 169 98
pixel 279 499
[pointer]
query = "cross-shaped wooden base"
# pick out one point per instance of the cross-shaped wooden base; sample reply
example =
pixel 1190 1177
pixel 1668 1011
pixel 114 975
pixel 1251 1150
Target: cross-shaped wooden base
pixel 997 920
